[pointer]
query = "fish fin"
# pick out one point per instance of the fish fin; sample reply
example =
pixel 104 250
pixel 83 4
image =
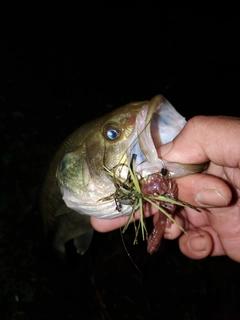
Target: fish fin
pixel 69 226
pixel 82 242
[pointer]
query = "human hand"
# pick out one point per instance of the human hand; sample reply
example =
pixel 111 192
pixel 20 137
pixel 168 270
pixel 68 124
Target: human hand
pixel 216 229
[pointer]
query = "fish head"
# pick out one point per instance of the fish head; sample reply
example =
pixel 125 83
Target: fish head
pixel 109 142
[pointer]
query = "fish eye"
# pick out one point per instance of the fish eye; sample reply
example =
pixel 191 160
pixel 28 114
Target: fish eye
pixel 111 132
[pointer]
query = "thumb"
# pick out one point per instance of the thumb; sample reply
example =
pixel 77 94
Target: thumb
pixel 205 138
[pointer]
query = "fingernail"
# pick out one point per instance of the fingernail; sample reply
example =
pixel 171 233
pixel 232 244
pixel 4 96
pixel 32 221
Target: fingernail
pixel 197 243
pixel 210 197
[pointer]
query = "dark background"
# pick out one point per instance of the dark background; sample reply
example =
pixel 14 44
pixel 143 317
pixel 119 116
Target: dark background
pixel 58 71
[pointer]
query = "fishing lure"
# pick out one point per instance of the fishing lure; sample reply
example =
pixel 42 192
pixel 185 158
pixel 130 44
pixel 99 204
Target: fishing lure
pixel 158 189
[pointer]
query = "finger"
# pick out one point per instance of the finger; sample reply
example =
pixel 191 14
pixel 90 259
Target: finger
pixel 226 223
pixel 205 138
pixel 105 225
pixel 210 190
pixel 196 244
pixel 203 190
pixel 222 224
pixel 175 228
pixel 174 231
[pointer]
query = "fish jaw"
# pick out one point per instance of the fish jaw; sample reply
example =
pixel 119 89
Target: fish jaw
pixel 157 124
pixel 99 209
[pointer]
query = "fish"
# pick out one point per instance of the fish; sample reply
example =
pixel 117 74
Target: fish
pixel 80 179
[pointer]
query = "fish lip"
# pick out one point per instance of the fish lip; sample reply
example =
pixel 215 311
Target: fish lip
pixel 157 123
pixel 177 170
pixel 162 124
pixel 169 121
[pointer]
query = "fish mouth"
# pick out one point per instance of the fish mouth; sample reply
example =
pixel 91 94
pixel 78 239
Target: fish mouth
pixel 165 121
pixel 159 123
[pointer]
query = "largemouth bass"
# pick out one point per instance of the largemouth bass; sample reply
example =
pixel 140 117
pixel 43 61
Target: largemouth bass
pixel 78 184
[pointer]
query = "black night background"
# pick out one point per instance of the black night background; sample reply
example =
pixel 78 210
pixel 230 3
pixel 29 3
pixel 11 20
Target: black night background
pixel 55 78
